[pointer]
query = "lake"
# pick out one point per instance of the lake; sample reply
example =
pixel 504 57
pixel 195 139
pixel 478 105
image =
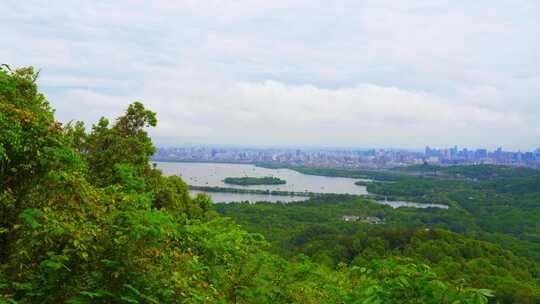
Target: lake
pixel 213 174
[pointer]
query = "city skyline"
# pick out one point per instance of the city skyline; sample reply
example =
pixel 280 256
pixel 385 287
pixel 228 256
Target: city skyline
pixel 350 147
pixel 350 158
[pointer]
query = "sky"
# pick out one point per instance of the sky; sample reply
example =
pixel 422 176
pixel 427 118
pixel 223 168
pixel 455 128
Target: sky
pixel 381 73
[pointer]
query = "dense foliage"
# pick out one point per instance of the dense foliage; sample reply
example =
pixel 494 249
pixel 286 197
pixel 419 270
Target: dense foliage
pixel 317 228
pixel 253 191
pixel 471 171
pixel 250 181
pixel 496 203
pixel 380 175
pixel 491 203
pixel 504 203
pixel 84 218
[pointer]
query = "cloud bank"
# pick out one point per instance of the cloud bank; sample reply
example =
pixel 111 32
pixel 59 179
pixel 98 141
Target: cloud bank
pixel 353 73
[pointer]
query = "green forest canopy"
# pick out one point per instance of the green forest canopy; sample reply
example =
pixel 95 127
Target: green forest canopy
pixel 84 218
pixel 316 228
pixel 492 203
pixel 250 181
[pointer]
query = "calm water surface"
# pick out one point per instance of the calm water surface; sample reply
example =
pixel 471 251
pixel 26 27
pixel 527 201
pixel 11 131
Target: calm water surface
pixel 212 175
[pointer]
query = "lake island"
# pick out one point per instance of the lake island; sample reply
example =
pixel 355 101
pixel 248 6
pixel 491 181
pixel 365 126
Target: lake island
pixel 250 181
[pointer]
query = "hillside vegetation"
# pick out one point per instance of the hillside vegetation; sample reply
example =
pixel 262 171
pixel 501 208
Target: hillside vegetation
pixel 494 212
pixel 316 228
pixel 84 218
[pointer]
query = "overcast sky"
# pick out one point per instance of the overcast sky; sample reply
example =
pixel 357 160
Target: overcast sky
pixel 381 73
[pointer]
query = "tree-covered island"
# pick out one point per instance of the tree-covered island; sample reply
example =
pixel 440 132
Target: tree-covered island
pixel 251 181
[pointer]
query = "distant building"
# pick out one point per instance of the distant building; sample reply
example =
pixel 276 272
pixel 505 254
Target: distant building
pixel 352 159
pixel 481 153
pixel 350 218
pixel 433 160
pixel 372 220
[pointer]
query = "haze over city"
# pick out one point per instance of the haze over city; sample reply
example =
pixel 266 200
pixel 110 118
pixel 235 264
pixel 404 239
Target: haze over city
pixel 270 151
pixel 402 74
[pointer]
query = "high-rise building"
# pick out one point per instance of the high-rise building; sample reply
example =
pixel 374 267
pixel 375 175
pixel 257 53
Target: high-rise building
pixel 481 153
pixel 453 152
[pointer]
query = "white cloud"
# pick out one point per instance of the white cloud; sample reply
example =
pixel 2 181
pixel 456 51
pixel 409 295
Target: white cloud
pixel 273 112
pixel 363 73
